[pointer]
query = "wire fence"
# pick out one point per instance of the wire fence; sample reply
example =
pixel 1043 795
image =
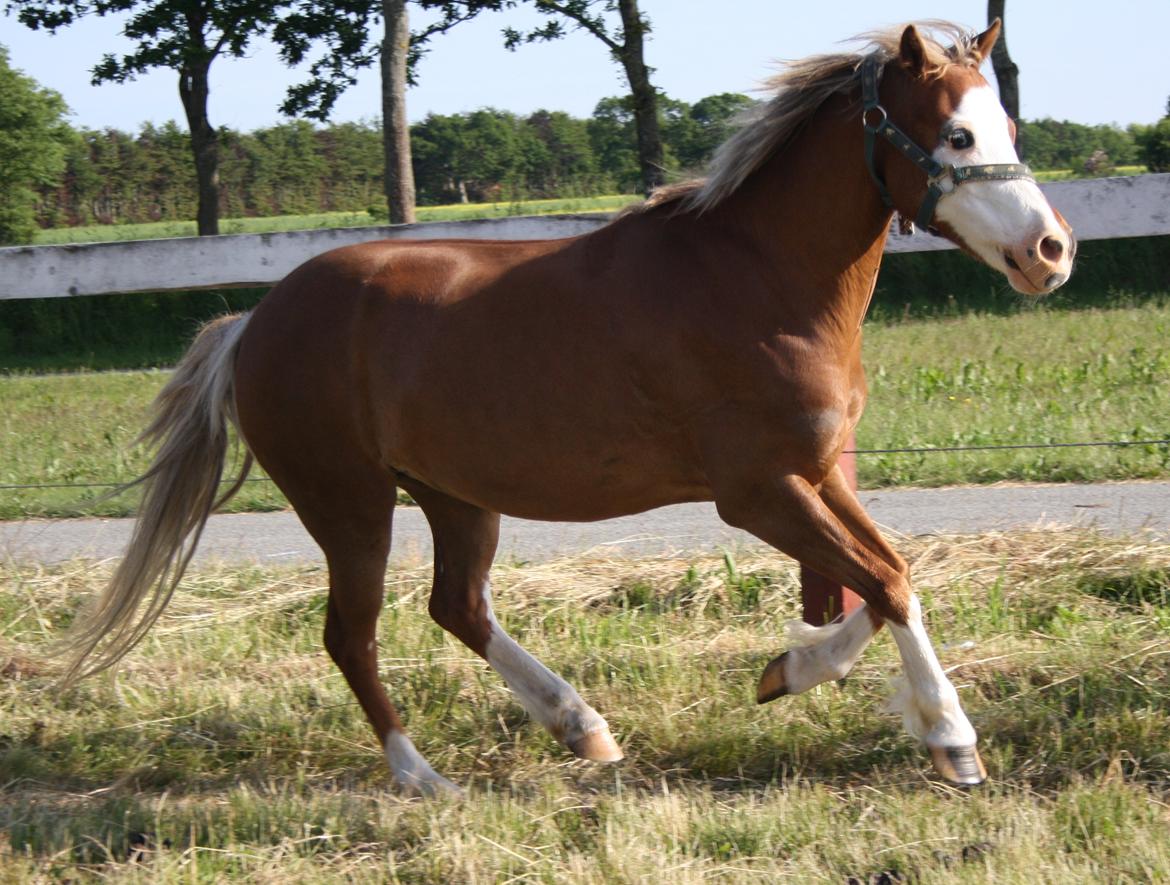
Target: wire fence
pixel 895 451
pixel 1005 447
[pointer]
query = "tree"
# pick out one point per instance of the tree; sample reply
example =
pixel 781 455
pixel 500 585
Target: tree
pixel 626 46
pixel 559 158
pixel 615 142
pixel 399 176
pixel 1060 144
pixel 185 36
pixel 287 169
pixel 695 131
pixel 353 157
pixel 1007 73
pixel 345 28
pixel 33 140
pixel 1154 143
pixel 469 157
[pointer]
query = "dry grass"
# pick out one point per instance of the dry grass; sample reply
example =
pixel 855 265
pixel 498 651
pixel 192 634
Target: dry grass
pixel 230 737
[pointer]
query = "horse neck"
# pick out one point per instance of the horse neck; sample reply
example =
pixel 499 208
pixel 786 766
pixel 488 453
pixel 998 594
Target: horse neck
pixel 816 223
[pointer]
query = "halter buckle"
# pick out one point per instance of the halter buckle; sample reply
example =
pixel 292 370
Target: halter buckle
pixel 946 181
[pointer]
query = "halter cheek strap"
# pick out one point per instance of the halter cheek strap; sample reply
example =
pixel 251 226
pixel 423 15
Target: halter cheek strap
pixel 940 180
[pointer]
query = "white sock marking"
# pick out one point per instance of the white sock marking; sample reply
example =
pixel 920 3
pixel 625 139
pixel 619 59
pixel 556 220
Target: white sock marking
pixel 411 771
pixel 928 702
pixel 822 654
pixel 547 697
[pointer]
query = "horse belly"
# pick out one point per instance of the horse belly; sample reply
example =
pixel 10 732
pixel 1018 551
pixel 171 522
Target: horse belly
pixel 577 471
pixel 517 398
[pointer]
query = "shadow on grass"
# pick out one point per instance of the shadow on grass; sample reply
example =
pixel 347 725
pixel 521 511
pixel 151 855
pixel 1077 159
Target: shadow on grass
pixel 1145 587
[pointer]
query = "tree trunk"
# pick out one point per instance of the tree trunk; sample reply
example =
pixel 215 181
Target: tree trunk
pixel 1007 74
pixel 193 90
pixel 645 98
pixel 399 176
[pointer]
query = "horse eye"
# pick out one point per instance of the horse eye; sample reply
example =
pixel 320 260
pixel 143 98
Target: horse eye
pixel 961 139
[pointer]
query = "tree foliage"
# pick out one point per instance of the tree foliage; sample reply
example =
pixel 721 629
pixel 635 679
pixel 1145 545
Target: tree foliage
pixel 185 36
pixel 1154 143
pixel 342 38
pixel 1061 144
pixel 693 132
pixel 626 45
pixel 117 177
pixel 33 138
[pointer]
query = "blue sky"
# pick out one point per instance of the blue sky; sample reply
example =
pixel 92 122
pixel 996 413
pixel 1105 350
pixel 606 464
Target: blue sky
pixel 1082 61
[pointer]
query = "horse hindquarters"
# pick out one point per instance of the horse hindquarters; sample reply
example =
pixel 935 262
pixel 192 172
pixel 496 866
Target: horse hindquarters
pixel 300 410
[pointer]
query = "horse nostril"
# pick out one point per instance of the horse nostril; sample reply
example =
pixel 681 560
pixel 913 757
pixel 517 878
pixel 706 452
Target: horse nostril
pixel 1052 249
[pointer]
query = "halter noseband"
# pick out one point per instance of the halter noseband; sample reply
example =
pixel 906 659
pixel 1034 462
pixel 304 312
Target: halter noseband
pixel 940 180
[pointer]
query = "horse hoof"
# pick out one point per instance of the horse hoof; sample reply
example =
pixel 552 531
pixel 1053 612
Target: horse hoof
pixel 433 787
pixel 959 765
pixel 772 684
pixel 597 746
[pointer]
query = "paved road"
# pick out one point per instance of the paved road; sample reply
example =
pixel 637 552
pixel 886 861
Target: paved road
pixel 278 537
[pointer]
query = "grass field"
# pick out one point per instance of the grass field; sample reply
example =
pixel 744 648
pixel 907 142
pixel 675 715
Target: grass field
pixel 1038 376
pixel 102 233
pixel 230 746
pixel 1069 174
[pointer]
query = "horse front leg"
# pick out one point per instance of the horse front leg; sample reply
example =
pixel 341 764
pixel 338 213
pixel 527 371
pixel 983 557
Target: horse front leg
pixel 823 654
pixel 787 512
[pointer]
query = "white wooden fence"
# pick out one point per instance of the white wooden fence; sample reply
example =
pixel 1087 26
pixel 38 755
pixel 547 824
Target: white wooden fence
pixel 1096 208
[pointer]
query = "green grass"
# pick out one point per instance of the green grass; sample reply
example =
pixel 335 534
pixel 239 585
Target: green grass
pixel 71 430
pixel 1070 174
pixel 101 233
pixel 1041 376
pixel 230 740
pixel 1037 375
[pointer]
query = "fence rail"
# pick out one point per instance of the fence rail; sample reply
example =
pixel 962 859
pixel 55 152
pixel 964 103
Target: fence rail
pixel 1097 209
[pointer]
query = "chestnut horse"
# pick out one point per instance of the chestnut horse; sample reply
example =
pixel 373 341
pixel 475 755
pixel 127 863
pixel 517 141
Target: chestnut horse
pixel 703 346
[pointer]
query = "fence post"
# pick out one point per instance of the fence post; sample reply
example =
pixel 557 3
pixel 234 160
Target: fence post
pixel 822 598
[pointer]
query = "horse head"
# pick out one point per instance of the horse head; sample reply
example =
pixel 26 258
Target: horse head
pixel 958 173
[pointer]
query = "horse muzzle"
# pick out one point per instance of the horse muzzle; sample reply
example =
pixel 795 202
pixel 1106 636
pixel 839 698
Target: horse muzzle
pixel 1043 262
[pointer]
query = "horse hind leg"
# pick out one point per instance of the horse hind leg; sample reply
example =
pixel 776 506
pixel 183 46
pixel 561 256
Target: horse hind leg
pixel 355 598
pixel 353 527
pixel 465 539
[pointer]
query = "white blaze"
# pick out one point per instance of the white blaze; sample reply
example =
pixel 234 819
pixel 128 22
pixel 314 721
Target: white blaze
pixel 991 216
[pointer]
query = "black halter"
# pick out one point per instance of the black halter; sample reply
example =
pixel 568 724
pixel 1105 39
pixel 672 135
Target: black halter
pixel 941 180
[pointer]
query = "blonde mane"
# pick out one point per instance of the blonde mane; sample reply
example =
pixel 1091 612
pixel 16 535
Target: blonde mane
pixel 801 88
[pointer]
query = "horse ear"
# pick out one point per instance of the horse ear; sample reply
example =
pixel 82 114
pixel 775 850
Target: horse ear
pixel 981 46
pixel 911 52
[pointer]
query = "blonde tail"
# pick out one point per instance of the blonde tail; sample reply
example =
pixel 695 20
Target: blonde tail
pixel 190 431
